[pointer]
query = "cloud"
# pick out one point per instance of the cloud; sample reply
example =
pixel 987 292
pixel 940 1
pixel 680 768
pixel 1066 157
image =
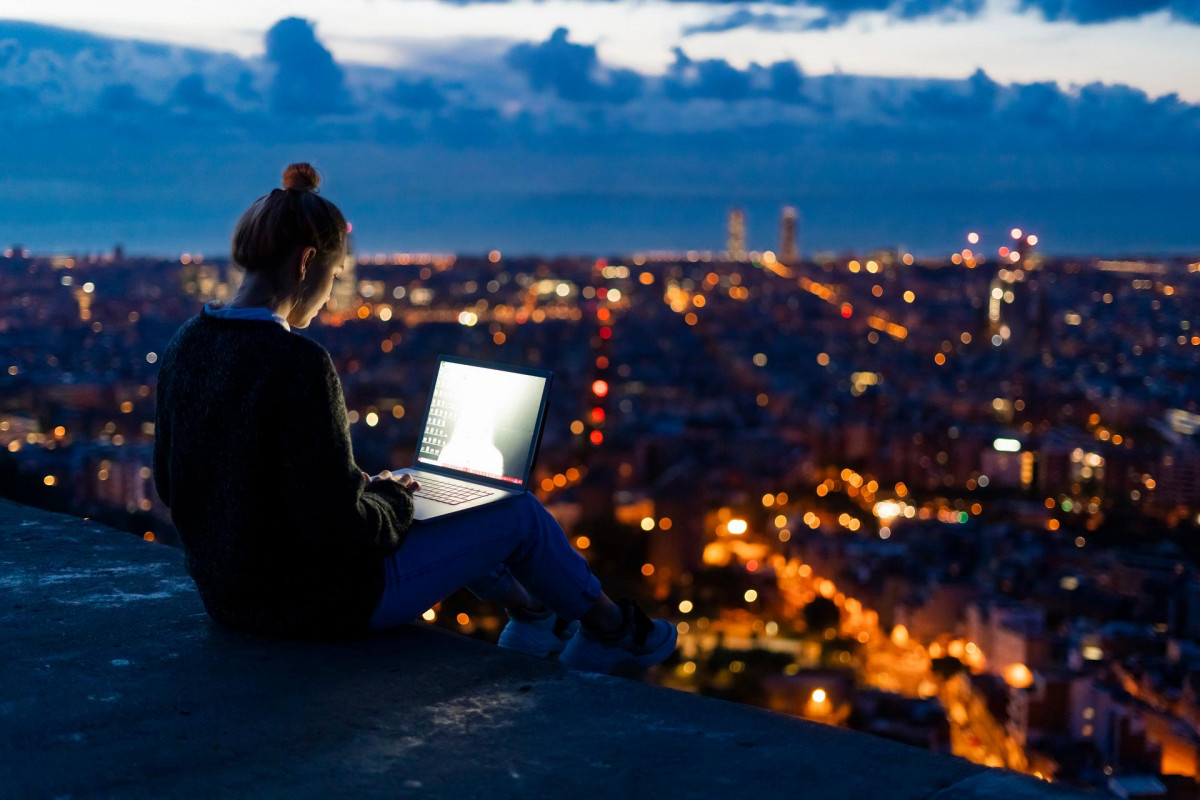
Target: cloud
pixel 713 78
pixel 192 94
pixel 121 98
pixel 573 71
pixel 307 80
pixel 717 79
pixel 1099 11
pixel 824 14
pixel 831 13
pixel 513 124
pixel 973 98
pixel 745 18
pixel 416 94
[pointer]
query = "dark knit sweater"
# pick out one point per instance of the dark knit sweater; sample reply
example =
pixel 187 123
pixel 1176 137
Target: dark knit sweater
pixel 282 533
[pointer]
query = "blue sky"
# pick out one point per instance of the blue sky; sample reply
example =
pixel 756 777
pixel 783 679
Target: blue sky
pixel 605 126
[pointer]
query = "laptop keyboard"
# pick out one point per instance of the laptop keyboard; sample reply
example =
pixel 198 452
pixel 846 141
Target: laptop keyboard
pixel 452 494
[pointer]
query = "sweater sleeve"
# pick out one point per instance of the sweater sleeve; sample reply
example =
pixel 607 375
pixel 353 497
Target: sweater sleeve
pixel 319 472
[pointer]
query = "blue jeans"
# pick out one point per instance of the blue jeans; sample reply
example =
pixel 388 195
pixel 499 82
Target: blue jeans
pixel 485 549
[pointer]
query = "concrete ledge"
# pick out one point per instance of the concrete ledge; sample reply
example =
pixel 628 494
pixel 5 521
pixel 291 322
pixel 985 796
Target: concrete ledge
pixel 113 681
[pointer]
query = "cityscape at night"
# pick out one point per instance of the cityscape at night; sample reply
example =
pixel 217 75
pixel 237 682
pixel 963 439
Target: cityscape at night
pixel 949 501
pixel 874 332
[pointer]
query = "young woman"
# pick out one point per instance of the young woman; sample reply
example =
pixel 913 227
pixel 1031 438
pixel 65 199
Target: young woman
pixel 283 533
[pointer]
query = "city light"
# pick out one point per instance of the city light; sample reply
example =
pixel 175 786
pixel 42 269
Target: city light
pixel 1005 445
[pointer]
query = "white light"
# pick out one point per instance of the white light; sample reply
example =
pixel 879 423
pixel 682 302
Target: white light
pixel 887 510
pixel 1007 445
pixel 1016 233
pixel 818 696
pixel 737 526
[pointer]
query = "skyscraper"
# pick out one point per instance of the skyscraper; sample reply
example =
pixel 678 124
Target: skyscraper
pixel 789 250
pixel 736 242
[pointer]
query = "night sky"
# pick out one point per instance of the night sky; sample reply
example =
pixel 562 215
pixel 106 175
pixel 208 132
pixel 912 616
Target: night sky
pixel 604 127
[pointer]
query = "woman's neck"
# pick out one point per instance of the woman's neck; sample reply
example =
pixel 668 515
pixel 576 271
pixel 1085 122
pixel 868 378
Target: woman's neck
pixel 256 292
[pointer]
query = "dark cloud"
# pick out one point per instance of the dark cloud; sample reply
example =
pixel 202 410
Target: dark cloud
pixel 419 94
pixel 192 94
pixel 717 79
pixel 121 98
pixel 786 81
pixel 832 14
pixel 742 18
pixel 972 98
pixel 1098 11
pixel 307 80
pixel 573 71
pixel 1040 104
pixel 711 78
pixel 837 12
pixel 543 124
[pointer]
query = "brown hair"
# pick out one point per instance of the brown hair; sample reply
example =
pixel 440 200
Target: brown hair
pixel 286 220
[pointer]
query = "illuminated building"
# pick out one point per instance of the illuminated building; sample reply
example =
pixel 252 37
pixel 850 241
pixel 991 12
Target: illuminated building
pixel 736 242
pixel 788 246
pixel 345 285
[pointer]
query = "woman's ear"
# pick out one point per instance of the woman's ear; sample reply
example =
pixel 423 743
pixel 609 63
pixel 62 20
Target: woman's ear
pixel 306 257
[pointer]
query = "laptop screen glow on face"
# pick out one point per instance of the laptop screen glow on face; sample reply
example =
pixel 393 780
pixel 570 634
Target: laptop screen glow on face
pixel 482 421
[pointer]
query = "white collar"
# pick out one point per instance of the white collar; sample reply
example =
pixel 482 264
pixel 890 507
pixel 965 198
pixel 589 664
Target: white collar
pixel 252 312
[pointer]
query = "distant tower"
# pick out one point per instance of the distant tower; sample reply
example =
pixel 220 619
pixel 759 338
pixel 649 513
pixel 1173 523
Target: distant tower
pixel 788 249
pixel 736 243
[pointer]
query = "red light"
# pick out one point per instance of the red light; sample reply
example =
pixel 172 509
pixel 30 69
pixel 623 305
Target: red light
pixel 847 310
pixel 597 437
pixel 597 414
pixel 752 566
pixel 349 227
pixel 602 293
pixel 600 388
pixel 1003 252
pixel 602 362
pixel 606 332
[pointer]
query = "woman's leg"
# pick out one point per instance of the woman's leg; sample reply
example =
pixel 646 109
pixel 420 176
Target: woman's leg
pixel 486 549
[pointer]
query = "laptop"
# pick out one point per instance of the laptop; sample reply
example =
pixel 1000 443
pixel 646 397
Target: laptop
pixel 480 435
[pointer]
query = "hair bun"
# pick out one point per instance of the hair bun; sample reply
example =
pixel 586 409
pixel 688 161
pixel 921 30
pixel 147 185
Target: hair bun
pixel 301 176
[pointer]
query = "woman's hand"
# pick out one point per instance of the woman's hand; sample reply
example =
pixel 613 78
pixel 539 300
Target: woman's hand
pixel 403 478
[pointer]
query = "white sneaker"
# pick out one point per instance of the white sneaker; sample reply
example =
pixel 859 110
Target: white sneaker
pixel 642 642
pixel 538 636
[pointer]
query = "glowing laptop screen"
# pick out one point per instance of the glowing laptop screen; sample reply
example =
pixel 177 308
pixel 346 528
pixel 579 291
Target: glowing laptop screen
pixel 482 421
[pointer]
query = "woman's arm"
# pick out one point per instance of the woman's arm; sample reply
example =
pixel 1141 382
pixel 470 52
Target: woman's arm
pixel 320 479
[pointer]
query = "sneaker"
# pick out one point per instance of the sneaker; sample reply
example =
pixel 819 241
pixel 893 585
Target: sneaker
pixel 641 642
pixel 542 636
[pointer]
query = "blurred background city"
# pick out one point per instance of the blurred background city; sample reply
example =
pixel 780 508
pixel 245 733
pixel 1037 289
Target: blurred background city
pixel 885 390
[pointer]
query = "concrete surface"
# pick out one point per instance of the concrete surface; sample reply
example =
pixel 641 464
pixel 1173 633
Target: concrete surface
pixel 114 682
